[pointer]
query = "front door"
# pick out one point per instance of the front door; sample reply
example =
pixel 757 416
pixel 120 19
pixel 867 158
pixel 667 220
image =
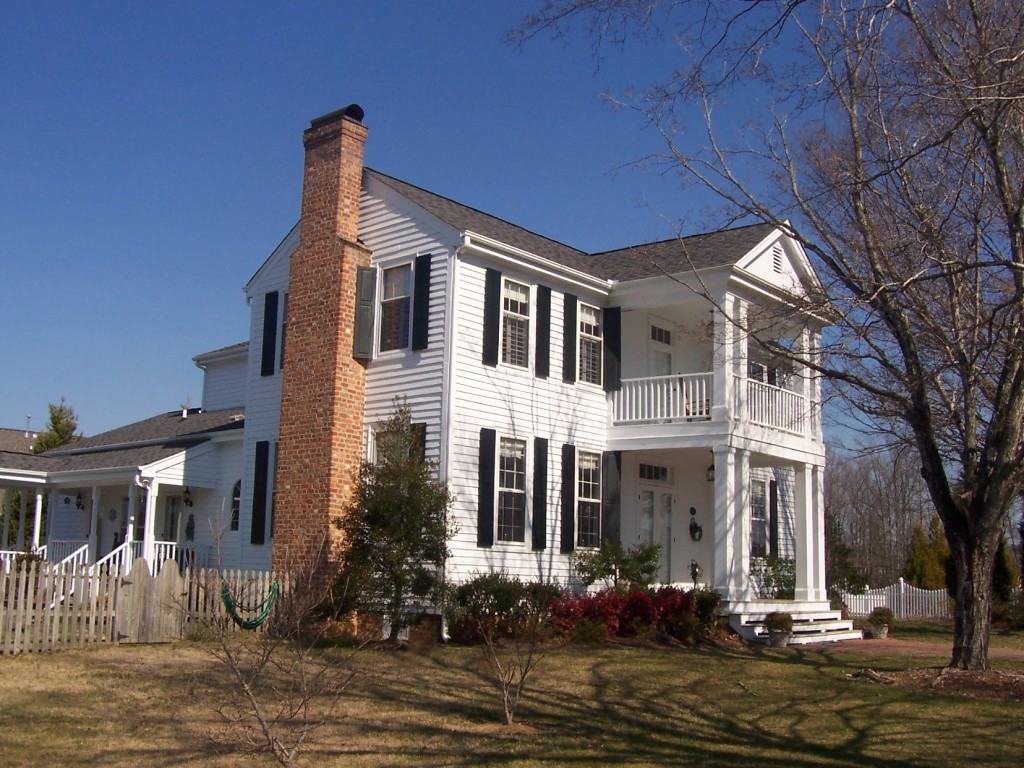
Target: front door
pixel 656 526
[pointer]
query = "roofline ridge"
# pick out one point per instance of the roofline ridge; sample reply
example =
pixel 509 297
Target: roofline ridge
pixel 471 208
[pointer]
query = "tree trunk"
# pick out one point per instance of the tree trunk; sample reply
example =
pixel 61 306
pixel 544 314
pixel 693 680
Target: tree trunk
pixel 974 560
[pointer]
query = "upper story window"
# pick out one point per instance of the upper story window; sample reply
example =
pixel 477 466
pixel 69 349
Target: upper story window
pixel 512 490
pixel 590 344
pixel 395 307
pixel 515 324
pixel 588 500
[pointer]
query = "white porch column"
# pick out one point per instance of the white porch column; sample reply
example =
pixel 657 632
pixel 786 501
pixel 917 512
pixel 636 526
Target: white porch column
pixel 38 521
pixel 133 501
pixel 23 513
pixel 801 346
pixel 149 526
pixel 4 496
pixel 741 352
pixel 806 547
pixel 740 585
pixel 819 585
pixel 94 514
pixel 815 389
pixel 723 555
pixel 722 362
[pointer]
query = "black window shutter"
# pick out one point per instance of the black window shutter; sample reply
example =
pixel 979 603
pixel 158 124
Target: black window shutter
pixel 492 316
pixel 261 474
pixel 569 327
pixel 773 516
pixel 419 429
pixel 421 302
pixel 362 335
pixel 269 352
pixel 485 486
pixel 568 498
pixel 611 497
pixel 611 319
pixel 543 345
pixel 540 493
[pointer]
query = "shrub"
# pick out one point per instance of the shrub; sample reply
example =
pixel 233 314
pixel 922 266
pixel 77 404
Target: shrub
pixel 779 621
pixel 774 577
pixel 708 602
pixel 633 568
pixel 603 608
pixel 499 601
pixel 638 615
pixel 882 615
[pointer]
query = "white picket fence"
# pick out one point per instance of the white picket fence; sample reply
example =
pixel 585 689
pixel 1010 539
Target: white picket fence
pixel 903 600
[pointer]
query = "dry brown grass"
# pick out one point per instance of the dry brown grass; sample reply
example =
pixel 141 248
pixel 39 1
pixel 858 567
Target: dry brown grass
pixel 602 705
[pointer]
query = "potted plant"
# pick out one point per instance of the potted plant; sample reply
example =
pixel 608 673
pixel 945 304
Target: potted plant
pixel 780 628
pixel 880 620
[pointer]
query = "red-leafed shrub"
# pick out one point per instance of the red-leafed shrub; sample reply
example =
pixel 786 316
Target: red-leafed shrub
pixel 638 614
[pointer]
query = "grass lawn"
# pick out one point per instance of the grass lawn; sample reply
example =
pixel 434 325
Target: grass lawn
pixel 603 705
pixel 939 631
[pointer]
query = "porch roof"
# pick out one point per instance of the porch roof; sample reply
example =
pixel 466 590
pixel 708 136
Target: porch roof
pixel 682 254
pixel 133 445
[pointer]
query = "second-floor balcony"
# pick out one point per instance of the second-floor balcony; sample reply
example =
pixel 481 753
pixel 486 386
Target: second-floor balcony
pixel 689 398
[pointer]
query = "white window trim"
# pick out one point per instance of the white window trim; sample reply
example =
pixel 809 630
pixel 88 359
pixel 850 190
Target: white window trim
pixel 531 319
pixel 378 325
pixel 528 500
pixel 576 494
pixel 599 384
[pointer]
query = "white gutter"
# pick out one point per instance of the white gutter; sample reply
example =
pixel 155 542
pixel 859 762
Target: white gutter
pixel 503 252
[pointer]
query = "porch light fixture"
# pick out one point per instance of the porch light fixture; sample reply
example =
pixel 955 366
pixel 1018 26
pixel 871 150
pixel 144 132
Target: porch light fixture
pixel 78 501
pixel 709 473
pixel 186 497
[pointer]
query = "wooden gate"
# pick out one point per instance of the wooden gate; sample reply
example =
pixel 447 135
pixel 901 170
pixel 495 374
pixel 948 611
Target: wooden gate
pixel 149 608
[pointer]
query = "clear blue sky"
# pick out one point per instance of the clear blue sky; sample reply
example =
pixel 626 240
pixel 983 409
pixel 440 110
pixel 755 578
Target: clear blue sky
pixel 151 159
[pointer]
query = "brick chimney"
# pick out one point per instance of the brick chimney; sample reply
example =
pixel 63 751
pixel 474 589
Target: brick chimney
pixel 321 431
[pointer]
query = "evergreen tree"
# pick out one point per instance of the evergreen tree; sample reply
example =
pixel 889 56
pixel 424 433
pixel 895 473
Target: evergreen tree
pixel 927 557
pixel 60 429
pixel 840 572
pixel 396 529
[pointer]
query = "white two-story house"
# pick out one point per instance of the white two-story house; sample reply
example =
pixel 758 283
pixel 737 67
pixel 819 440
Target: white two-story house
pixel 568 398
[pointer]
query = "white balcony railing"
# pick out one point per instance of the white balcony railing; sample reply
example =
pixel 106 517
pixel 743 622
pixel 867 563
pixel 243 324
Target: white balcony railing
pixel 663 399
pixel 689 397
pixel 775 407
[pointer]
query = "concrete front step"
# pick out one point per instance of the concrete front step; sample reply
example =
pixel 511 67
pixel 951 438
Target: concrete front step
pixel 808 627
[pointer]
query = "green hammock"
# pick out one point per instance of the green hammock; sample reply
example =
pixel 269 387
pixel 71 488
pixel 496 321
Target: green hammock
pixel 264 608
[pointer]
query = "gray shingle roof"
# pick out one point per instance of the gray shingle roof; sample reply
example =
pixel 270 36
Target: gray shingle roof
pixel 167 427
pixel 464 218
pixel 138 444
pixel 14 440
pixel 711 249
pixel 16 460
pixel 701 251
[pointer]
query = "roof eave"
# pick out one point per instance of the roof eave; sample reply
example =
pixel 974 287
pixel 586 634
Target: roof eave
pixel 505 252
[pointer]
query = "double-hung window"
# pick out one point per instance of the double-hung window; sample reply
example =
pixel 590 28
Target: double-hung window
pixel 515 324
pixel 512 490
pixel 590 344
pixel 395 307
pixel 588 500
pixel 758 519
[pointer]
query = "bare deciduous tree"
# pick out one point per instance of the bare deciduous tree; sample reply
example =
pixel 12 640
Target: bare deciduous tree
pixel 887 137
pixel 877 498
